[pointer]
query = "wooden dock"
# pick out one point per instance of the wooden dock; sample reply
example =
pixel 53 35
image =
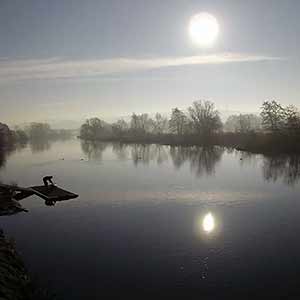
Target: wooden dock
pixel 52 193
pixel 49 193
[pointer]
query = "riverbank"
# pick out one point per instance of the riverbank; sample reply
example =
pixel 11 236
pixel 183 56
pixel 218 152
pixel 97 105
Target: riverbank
pixel 263 143
pixel 14 280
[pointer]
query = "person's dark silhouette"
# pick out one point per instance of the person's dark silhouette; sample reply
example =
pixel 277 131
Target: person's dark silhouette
pixel 47 179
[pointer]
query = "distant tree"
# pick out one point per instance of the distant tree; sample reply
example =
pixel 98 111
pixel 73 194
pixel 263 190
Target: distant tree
pixel 93 128
pixel 85 132
pixel 243 123
pixel 178 122
pixel 255 122
pixel 146 123
pixel 39 131
pixel 205 118
pixel 134 123
pixel 273 116
pixel 5 134
pixel 231 123
pixel 160 124
pixel 140 124
pixel 97 127
pixel 20 135
pixel 292 119
pixel 119 128
pixel 62 133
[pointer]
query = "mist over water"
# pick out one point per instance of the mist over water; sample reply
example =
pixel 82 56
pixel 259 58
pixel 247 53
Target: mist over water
pixel 152 216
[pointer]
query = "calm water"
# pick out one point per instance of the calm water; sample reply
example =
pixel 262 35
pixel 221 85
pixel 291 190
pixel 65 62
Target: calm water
pixel 152 217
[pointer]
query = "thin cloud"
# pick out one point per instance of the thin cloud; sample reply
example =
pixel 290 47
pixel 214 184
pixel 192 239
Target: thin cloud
pixel 55 68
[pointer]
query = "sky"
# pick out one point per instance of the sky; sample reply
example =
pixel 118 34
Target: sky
pixel 73 59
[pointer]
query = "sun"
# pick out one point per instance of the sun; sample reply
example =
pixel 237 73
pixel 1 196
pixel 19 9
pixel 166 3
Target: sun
pixel 203 29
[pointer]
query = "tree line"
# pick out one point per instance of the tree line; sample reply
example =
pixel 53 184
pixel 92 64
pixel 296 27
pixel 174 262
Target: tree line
pixel 199 123
pixel 35 131
pixel 201 119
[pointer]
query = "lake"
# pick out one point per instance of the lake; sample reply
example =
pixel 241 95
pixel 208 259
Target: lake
pixel 151 217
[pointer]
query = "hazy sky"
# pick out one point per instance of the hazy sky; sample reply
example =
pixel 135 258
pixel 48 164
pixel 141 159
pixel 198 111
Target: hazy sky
pixel 64 59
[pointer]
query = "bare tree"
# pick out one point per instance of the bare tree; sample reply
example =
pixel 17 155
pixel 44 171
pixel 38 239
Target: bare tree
pixel 272 115
pixel 205 118
pixel 292 119
pixel 39 130
pixel 160 124
pixel 140 124
pixel 119 128
pixel 242 123
pixel 134 124
pixel 146 123
pixel 178 122
pixel 85 132
pixel 93 128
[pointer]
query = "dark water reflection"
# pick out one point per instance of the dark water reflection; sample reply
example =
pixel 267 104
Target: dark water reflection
pixel 5 152
pixel 202 160
pixel 93 149
pixel 214 220
pixel 285 167
pixel 3 156
pixel 40 145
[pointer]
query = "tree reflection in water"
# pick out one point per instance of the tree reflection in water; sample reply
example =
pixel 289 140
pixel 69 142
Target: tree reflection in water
pixel 39 145
pixel 144 154
pixel 5 152
pixel 161 154
pixel 141 154
pixel 285 167
pixel 202 160
pixel 3 157
pixel 138 153
pixel 93 149
pixel 179 155
pixel 120 150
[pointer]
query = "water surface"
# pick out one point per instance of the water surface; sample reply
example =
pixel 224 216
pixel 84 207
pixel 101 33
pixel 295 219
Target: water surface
pixel 150 217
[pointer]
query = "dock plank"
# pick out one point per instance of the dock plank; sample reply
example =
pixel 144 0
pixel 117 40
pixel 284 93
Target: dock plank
pixel 52 193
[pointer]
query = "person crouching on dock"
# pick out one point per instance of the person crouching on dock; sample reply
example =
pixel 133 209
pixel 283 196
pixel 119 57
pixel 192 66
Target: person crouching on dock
pixel 48 181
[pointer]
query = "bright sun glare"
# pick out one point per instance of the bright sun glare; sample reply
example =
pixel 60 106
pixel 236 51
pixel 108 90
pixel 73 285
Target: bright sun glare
pixel 208 223
pixel 203 29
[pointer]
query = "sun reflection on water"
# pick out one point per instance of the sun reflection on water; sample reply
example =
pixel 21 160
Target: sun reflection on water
pixel 208 223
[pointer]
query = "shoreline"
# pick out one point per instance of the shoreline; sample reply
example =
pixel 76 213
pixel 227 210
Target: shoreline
pixel 15 282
